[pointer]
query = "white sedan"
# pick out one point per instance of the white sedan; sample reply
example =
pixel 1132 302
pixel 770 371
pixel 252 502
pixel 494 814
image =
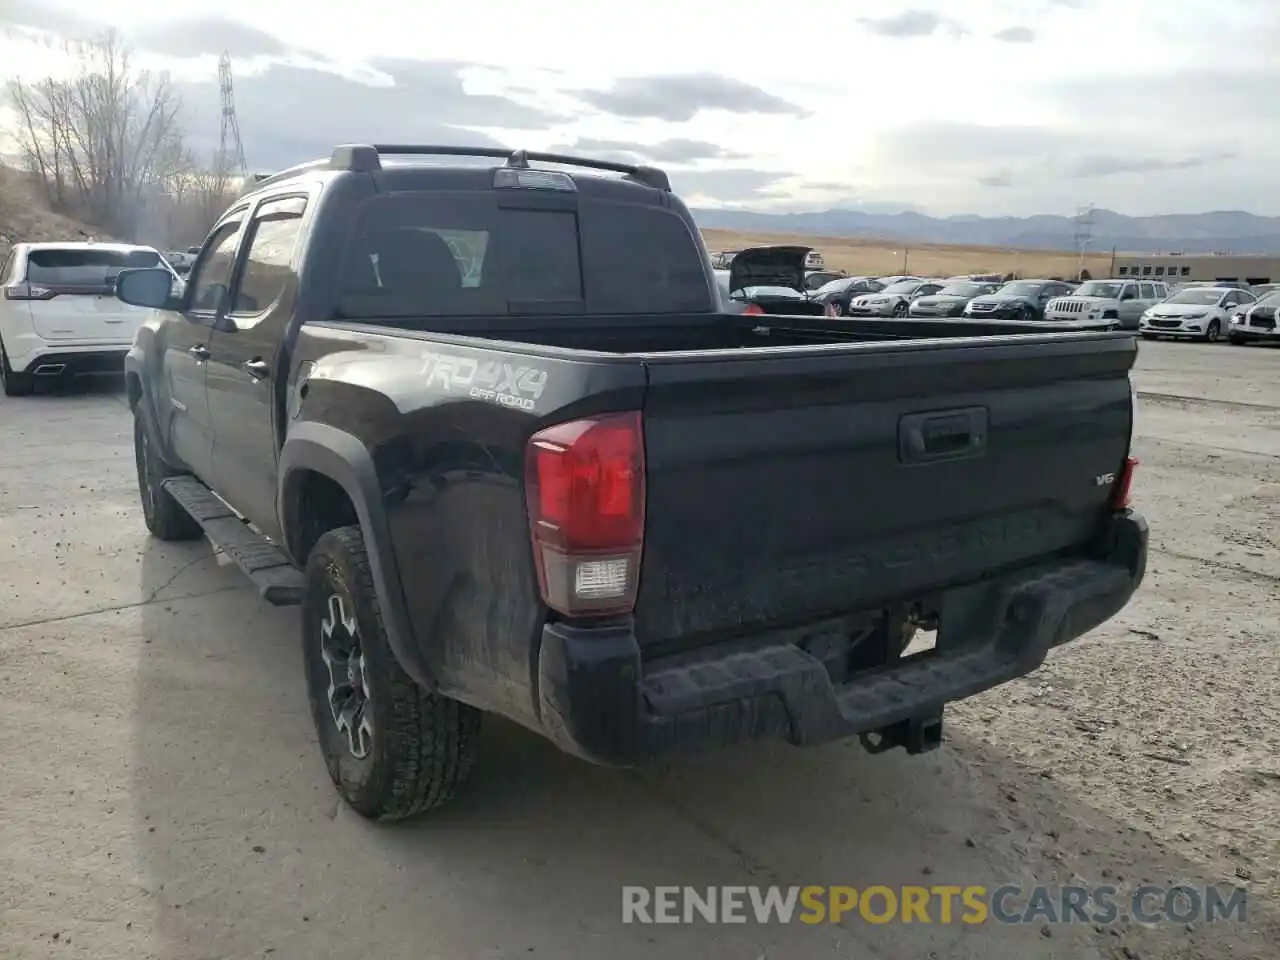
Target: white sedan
pixel 1198 313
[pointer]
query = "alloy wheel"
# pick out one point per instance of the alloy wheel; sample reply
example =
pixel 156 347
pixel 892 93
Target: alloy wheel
pixel 348 693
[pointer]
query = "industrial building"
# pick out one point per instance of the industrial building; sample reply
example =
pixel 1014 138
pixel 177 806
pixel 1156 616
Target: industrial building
pixel 1180 268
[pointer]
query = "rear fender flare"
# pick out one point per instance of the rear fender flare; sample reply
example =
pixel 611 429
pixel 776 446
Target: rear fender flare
pixel 344 459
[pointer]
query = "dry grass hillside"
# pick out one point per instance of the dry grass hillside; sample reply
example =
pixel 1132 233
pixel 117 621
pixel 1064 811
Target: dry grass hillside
pixel 857 255
pixel 24 216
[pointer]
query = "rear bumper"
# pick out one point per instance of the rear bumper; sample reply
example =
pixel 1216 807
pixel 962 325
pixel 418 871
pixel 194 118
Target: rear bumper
pixel 599 701
pixel 73 362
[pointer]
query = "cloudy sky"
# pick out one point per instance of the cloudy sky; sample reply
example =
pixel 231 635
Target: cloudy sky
pixel 991 107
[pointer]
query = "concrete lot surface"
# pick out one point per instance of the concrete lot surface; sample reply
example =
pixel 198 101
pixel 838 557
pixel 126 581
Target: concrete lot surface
pixel 161 794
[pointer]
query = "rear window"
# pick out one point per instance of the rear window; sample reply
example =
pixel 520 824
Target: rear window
pixel 84 267
pixel 462 254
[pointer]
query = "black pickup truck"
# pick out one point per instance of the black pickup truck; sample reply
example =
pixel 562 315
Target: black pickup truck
pixel 487 425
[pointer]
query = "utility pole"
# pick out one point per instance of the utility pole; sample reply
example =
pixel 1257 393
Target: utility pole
pixel 1083 234
pixel 230 159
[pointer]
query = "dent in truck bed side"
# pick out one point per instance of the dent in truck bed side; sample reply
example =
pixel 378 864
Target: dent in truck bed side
pixel 443 454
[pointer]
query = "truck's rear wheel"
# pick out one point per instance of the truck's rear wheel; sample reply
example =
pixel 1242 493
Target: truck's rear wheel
pixel 392 749
pixel 164 516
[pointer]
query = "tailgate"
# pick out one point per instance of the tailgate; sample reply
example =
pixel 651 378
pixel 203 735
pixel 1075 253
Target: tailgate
pixel 789 484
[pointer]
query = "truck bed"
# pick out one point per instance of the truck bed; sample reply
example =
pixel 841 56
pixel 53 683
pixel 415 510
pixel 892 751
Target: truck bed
pixel 798 473
pixel 701 332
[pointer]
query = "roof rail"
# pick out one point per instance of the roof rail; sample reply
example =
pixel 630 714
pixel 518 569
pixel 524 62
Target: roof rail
pixel 266 179
pixel 363 158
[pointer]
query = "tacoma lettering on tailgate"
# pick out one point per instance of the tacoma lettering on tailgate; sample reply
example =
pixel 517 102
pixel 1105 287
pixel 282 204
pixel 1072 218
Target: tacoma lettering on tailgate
pixel 502 383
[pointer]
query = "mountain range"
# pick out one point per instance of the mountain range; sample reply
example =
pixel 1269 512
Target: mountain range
pixel 1224 231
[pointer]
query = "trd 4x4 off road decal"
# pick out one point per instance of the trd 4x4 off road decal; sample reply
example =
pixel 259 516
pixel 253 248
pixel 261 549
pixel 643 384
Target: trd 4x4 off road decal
pixel 510 385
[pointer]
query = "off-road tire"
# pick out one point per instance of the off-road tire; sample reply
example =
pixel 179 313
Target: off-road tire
pixel 165 517
pixel 1236 341
pixel 15 384
pixel 423 745
pixel 1148 336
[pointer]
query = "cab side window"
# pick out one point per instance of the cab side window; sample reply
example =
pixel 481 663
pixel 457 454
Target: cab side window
pixel 271 238
pixel 211 274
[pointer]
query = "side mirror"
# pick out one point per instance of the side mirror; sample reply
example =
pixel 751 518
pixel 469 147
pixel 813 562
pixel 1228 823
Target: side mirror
pixel 150 287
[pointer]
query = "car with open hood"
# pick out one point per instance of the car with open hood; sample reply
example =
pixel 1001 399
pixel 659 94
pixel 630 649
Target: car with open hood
pixel 1122 301
pixel 1256 321
pixel 768 280
pixel 1199 313
pixel 1017 300
pixel 950 301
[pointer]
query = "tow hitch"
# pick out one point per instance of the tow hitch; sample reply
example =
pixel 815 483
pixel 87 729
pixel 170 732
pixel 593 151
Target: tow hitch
pixel 915 735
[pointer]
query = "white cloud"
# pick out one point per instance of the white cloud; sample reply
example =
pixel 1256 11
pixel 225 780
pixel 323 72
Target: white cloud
pixel 924 103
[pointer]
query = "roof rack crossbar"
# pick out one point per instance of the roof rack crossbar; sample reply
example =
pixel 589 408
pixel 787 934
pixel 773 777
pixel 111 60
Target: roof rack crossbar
pixel 364 157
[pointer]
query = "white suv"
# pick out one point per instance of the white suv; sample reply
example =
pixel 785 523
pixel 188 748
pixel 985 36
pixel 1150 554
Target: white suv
pixel 59 315
pixel 1122 301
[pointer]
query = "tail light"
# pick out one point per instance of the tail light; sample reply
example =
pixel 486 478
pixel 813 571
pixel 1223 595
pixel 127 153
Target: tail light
pixel 1124 484
pixel 28 291
pixel 585 484
pixel 753 310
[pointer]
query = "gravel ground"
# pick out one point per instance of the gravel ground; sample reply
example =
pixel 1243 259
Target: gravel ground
pixel 161 795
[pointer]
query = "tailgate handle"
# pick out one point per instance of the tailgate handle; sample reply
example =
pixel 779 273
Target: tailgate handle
pixel 943 435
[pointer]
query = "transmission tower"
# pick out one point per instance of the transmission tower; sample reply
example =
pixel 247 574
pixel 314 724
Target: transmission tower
pixel 1083 235
pixel 230 160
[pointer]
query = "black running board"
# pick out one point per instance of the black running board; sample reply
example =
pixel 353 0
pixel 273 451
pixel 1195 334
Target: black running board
pixel 278 581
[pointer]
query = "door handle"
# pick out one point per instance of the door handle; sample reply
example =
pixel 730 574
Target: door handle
pixel 944 435
pixel 199 351
pixel 257 368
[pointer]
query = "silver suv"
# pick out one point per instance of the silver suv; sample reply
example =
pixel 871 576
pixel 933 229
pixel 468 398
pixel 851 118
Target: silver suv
pixel 1124 301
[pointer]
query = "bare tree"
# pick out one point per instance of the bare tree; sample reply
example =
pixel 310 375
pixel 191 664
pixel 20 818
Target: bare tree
pixel 197 197
pixel 107 144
